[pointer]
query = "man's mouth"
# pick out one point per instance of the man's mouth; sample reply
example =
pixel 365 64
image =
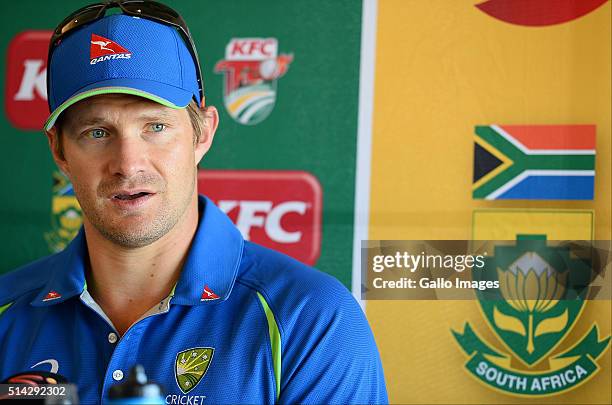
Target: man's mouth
pixel 128 196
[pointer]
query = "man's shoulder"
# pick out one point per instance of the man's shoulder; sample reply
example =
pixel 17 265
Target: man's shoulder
pixel 274 272
pixel 292 289
pixel 26 280
pixel 323 335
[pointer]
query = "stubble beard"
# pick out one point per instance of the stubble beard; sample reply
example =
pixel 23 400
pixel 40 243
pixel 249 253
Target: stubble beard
pixel 144 233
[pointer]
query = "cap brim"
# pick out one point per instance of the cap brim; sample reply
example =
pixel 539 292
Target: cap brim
pixel 161 93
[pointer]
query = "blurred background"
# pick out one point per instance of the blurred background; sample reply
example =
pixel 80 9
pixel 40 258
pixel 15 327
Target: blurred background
pixel 349 120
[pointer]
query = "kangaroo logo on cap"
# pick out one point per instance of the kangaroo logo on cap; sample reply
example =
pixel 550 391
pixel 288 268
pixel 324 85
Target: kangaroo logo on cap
pixel 103 49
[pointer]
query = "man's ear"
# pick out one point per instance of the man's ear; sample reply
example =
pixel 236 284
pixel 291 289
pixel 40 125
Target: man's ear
pixel 60 160
pixel 209 127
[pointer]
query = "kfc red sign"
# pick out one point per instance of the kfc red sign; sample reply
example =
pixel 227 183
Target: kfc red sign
pixel 278 209
pixel 251 49
pixel 538 13
pixel 25 96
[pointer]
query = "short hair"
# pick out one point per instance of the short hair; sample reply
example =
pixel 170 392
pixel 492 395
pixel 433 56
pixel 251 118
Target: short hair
pixel 196 116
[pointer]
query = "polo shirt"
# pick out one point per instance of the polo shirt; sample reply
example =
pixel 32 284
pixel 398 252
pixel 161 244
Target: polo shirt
pixel 243 324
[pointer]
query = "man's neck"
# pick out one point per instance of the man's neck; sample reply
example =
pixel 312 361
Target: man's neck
pixel 126 283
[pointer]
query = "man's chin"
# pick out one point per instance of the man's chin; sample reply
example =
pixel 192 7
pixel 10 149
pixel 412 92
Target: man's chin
pixel 136 227
pixel 134 231
pixel 131 239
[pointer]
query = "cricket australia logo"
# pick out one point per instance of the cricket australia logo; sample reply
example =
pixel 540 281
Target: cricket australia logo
pixel 252 68
pixel 191 366
pixel 541 296
pixel 66 217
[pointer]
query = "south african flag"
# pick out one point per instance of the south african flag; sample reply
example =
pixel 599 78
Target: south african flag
pixel 534 162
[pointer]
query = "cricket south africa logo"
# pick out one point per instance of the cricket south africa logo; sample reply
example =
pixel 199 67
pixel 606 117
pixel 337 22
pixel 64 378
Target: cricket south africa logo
pixel 66 216
pixel 542 293
pixel 252 67
pixel 191 366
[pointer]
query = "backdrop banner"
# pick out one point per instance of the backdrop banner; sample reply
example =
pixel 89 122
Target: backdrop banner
pixel 384 120
pixel 285 79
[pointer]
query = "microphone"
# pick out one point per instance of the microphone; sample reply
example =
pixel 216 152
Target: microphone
pixel 39 388
pixel 137 390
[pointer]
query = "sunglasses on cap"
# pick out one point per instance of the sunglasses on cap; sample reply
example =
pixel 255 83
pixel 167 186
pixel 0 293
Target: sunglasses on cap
pixel 151 10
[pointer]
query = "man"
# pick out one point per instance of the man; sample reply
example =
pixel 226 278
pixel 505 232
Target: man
pixel 158 275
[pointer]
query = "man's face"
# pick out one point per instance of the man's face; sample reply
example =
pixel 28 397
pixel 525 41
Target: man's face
pixel 132 163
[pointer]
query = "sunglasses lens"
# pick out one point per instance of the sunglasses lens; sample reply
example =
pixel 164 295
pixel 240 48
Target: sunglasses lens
pixel 154 10
pixel 77 19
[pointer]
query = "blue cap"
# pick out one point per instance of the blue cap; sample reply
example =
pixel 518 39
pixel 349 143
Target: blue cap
pixel 121 54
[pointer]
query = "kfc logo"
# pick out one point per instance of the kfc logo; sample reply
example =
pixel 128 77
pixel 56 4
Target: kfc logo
pixel 251 70
pixel 264 214
pixel 277 209
pixel 25 96
pixel 252 48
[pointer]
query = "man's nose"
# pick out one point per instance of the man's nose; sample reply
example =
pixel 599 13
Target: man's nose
pixel 129 156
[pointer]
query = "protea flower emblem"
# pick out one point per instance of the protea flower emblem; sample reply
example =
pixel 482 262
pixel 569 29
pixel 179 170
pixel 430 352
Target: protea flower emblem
pixel 542 290
pixel 539 296
pixel 531 286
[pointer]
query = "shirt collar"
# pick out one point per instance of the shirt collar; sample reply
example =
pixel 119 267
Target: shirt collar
pixel 208 274
pixel 67 270
pixel 213 260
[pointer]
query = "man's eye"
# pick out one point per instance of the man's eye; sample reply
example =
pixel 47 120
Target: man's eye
pixel 97 133
pixel 157 127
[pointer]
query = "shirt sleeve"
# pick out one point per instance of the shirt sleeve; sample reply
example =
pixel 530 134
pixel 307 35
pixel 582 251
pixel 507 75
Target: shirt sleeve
pixel 329 355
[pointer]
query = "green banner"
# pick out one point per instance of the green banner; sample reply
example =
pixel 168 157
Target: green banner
pixel 292 107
